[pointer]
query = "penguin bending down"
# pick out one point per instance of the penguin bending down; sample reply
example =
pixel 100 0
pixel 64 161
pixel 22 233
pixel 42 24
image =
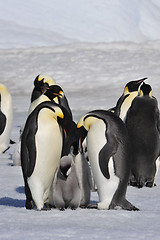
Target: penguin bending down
pixel 109 156
pixel 124 102
pixel 41 82
pixel 143 124
pixel 6 118
pixel 41 147
pixel 73 182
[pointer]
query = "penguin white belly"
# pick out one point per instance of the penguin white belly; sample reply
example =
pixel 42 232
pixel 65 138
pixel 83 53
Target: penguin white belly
pixel 106 187
pixel 6 108
pixel 126 105
pixel 48 148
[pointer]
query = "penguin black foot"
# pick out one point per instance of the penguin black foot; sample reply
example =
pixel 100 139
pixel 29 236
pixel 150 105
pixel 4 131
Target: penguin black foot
pixel 62 209
pixel 29 204
pixel 48 206
pixel 150 184
pixel 125 205
pixel 93 206
pixel 45 209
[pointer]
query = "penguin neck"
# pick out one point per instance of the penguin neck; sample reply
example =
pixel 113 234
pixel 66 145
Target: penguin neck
pixel 126 104
pixel 37 101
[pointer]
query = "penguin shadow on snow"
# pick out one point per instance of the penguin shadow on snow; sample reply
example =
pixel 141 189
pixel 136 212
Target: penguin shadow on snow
pixel 11 202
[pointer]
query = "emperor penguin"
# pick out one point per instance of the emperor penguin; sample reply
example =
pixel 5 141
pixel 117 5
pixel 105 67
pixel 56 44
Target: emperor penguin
pixel 66 188
pixel 73 183
pixel 51 93
pixel 41 147
pixel 41 82
pixel 6 118
pixel 143 124
pixel 55 94
pixel 109 157
pixel 124 102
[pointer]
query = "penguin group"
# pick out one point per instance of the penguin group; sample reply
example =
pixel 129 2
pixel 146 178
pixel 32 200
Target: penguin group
pixel 122 145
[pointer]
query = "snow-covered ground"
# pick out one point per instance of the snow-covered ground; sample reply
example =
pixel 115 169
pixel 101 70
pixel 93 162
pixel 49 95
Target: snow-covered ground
pixel 93 77
pixel 86 47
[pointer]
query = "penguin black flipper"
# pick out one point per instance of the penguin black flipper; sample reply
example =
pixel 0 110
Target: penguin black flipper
pixel 2 122
pixel 106 152
pixel 109 148
pixel 28 148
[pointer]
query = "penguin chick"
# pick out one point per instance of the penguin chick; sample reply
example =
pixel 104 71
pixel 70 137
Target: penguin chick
pixel 41 82
pixel 124 102
pixel 143 124
pixel 66 188
pixel 6 118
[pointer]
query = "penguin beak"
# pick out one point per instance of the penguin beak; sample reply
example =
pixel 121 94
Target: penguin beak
pixel 60 94
pixel 141 80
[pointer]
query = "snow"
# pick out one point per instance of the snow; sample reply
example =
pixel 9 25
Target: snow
pixel 91 49
pixel 54 22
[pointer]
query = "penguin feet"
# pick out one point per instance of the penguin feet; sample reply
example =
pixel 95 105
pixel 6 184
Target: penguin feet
pixel 48 206
pixel 93 206
pixel 62 209
pixel 125 205
pixel 29 204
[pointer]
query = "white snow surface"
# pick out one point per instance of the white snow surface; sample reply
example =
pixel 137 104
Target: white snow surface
pixel 93 77
pixel 54 22
pixel 91 49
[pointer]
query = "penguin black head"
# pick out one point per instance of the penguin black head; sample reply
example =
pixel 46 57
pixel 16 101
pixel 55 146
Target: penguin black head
pixel 43 80
pixel 146 90
pixel 54 91
pixel 41 83
pixel 133 85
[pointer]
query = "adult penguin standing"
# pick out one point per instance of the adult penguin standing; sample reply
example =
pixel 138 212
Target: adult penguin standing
pixel 124 102
pixel 143 124
pixel 109 156
pixel 6 118
pixel 41 147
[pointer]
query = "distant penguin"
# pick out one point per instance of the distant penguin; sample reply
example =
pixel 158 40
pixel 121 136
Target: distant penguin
pixel 6 118
pixel 41 148
pixel 143 124
pixel 66 188
pixel 124 102
pixel 109 156
pixel 41 82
